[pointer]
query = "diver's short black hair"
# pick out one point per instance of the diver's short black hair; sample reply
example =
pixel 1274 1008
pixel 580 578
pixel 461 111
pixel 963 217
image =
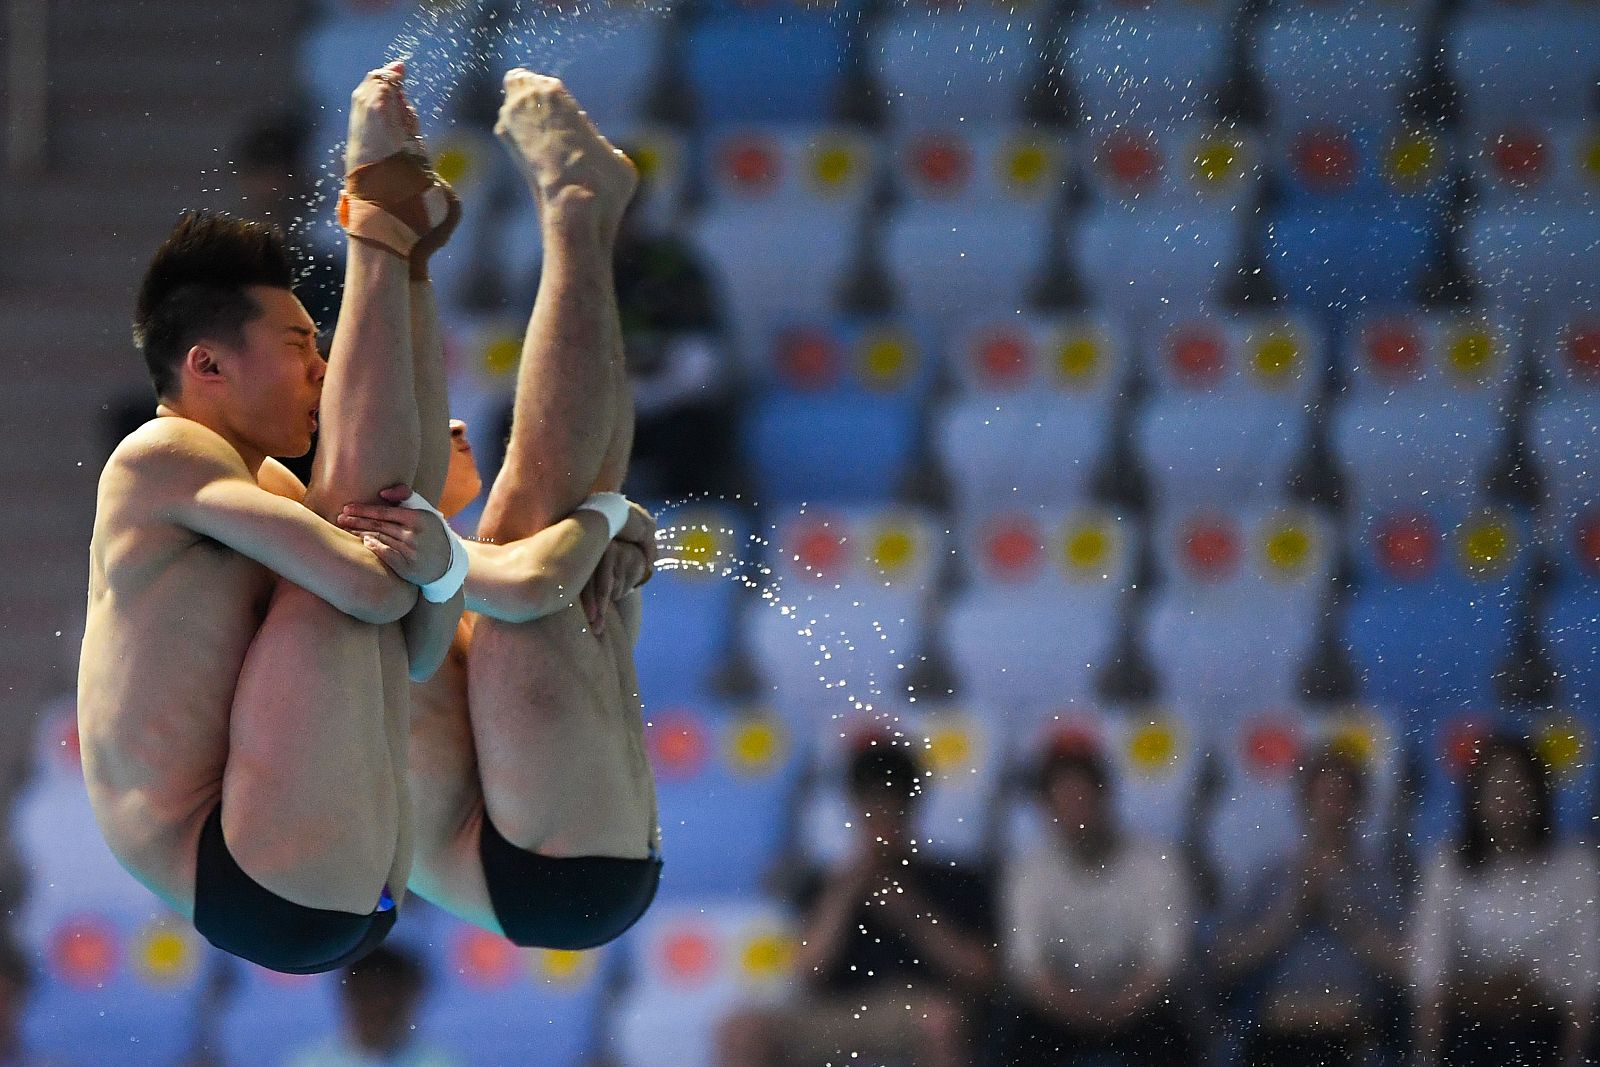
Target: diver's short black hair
pixel 196 288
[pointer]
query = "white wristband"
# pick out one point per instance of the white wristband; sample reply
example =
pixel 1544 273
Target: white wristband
pixel 613 506
pixel 455 576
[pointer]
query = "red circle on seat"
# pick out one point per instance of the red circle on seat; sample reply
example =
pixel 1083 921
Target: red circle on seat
pixel 1520 156
pixel 483 958
pixel 1394 351
pixel 1211 549
pixel 1408 546
pixel 942 164
pixel 1325 159
pixel 1271 749
pixel 84 951
pixel 1003 359
pixel 808 358
pixel 820 552
pixel 1586 542
pixel 680 743
pixel 688 956
pixel 1014 549
pixel 1459 745
pixel 1131 158
pixel 1197 357
pixel 1583 350
pixel 751 165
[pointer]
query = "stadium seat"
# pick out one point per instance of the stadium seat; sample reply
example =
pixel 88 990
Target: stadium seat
pixel 1431 621
pixel 1516 60
pixel 1138 263
pixel 826 172
pixel 725 783
pixel 946 268
pixel 696 589
pixel 838 416
pixel 1031 420
pixel 779 64
pixel 1570 623
pixel 1026 571
pixel 1321 64
pixel 1362 215
pixel 1563 432
pixel 269 1015
pixel 1155 66
pixel 1235 617
pixel 692 963
pixel 489 1001
pixel 847 614
pixel 1017 171
pixel 972 64
pixel 1533 259
pixel 1426 411
pixel 752 255
pixel 1228 422
pixel 1190 166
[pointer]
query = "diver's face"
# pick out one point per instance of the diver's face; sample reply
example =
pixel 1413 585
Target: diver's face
pixel 462 483
pixel 271 381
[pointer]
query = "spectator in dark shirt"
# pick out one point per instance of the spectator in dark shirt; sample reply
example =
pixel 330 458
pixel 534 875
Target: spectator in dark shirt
pixel 895 957
pixel 684 390
pixel 1313 947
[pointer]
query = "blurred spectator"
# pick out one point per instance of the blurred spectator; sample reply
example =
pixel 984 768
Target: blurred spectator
pixel 1505 930
pixel 381 995
pixel 1096 929
pixel 677 360
pixel 1315 942
pixel 16 981
pixel 895 948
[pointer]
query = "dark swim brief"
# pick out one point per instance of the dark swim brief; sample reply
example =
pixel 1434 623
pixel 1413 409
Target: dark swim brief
pixel 571 903
pixel 235 913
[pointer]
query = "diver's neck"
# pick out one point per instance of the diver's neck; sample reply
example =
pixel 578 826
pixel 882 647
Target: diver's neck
pixel 253 457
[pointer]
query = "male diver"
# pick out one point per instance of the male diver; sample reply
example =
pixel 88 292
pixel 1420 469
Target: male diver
pixel 243 693
pixel 534 803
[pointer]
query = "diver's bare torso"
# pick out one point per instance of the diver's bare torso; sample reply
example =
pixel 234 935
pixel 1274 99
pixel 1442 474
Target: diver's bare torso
pixel 171 616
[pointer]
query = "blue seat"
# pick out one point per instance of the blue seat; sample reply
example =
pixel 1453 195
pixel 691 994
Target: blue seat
pixel 1152 66
pixel 1432 621
pixel 488 1001
pixel 948 267
pixel 609 58
pixel 1510 62
pixel 689 605
pixel 851 590
pixel 1320 65
pixel 1143 263
pixel 959 65
pixel 1534 260
pixel 1570 634
pixel 1343 260
pixel 692 962
pixel 725 784
pixel 770 66
pixel 270 1015
pixel 838 450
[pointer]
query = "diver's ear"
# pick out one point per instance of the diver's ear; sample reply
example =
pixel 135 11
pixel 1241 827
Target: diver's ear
pixel 201 362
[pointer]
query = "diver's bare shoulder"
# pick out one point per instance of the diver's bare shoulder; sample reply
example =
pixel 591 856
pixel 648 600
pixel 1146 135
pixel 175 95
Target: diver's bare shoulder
pixel 171 614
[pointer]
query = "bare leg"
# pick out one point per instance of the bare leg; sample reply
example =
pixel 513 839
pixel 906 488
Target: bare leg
pixel 562 423
pixel 553 725
pixel 313 806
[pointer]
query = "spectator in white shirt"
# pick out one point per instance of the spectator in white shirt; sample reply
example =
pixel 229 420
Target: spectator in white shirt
pixel 1096 927
pixel 1505 933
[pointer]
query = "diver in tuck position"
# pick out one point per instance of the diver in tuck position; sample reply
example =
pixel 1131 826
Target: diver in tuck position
pixel 535 808
pixel 243 693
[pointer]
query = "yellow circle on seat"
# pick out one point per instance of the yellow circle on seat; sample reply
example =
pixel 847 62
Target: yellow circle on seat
pixel 893 551
pixel 1153 748
pixel 502 354
pixel 1078 358
pixel 833 164
pixel 452 164
pixel 562 967
pixel 1086 549
pixel 1487 547
pixel 755 746
pixel 1470 353
pixel 1288 546
pixel 885 360
pixel 1413 158
pixel 1216 159
pixel 1277 357
pixel 165 956
pixel 950 748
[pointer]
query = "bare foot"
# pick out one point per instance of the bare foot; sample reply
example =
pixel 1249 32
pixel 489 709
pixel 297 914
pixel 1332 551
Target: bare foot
pixel 567 163
pixel 382 120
